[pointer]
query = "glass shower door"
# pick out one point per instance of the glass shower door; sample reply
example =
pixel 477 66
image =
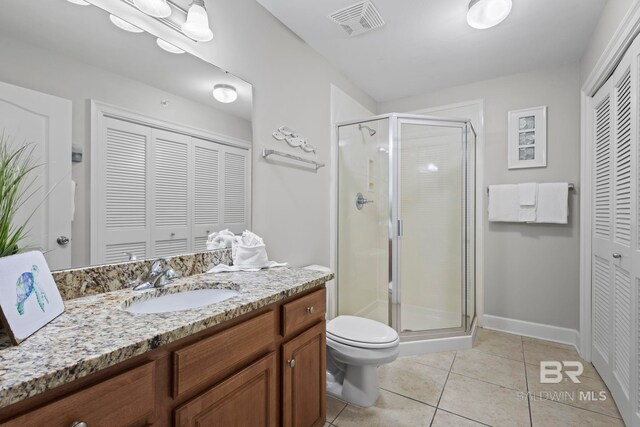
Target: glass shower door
pixel 363 228
pixel 432 212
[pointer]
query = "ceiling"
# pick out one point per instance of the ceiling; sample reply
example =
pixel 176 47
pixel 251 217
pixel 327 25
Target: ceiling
pixel 427 44
pixel 85 34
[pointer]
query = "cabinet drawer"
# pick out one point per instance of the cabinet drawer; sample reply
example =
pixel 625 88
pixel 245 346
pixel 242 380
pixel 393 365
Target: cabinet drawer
pixel 218 356
pixel 119 401
pixel 303 312
pixel 248 398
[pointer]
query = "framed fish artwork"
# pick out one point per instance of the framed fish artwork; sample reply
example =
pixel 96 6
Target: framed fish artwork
pixel 29 297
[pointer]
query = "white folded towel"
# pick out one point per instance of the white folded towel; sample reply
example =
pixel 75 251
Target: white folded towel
pixel 527 198
pixel 504 203
pixel 220 240
pixel 553 203
pixel 249 253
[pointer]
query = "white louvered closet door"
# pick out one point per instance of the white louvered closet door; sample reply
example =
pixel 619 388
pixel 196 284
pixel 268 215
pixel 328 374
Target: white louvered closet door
pixel 123 210
pixel 235 188
pixel 615 243
pixel 171 196
pixel 207 179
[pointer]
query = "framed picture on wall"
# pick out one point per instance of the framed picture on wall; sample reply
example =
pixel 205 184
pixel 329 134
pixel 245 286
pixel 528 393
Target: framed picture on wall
pixel 528 138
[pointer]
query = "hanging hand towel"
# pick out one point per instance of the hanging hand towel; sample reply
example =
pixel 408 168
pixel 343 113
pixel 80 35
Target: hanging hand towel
pixel 527 195
pixel 553 203
pixel 504 203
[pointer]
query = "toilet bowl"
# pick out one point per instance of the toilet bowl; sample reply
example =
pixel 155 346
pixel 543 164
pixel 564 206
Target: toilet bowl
pixel 355 348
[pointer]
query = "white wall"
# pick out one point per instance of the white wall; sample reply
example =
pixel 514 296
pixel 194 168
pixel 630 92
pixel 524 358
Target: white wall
pixel 28 66
pixel 612 15
pixel 531 271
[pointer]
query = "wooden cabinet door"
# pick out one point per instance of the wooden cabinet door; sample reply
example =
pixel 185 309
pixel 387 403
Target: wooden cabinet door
pixel 248 398
pixel 303 382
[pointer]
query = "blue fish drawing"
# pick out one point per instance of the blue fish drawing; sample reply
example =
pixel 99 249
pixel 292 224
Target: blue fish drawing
pixel 27 284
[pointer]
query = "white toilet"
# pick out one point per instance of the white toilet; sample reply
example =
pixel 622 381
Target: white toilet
pixel 355 348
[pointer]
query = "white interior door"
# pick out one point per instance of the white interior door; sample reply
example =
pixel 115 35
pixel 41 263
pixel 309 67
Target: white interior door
pixel 27 116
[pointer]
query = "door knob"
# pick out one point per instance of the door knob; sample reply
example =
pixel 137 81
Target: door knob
pixel 291 363
pixel 617 256
pixel 62 241
pixel 78 424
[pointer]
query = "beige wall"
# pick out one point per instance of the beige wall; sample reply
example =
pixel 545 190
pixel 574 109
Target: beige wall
pixel 34 68
pixel 531 271
pixel 612 15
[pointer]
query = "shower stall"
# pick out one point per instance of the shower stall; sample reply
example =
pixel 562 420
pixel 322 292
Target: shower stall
pixel 406 223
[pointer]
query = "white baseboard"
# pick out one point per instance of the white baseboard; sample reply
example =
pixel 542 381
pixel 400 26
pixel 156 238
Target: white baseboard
pixel 533 330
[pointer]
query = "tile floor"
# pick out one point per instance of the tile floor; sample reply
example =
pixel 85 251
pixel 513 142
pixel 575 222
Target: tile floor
pixel 496 383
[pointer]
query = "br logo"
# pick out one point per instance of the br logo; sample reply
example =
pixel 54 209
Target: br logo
pixel 551 371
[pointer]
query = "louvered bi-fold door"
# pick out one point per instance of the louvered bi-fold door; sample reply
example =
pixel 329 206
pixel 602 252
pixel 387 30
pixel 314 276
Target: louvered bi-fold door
pixel 207 179
pixel 123 209
pixel 171 196
pixel 235 189
pixel 615 228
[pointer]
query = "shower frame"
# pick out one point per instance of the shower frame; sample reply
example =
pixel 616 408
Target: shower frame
pixel 395 120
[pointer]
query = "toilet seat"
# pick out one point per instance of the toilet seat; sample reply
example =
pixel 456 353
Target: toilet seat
pixel 360 332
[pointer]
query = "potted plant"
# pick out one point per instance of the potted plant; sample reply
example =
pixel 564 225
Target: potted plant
pixel 16 187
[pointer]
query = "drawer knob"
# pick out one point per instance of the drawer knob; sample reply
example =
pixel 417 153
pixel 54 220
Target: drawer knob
pixel 291 363
pixel 78 424
pixel 311 309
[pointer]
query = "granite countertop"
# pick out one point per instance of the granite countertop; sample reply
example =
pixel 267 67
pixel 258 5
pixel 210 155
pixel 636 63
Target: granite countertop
pixel 95 332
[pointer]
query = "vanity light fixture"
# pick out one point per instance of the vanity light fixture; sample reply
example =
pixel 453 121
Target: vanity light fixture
pixel 124 25
pixel 79 2
pixel 197 24
pixel 485 14
pixel 168 47
pixel 155 8
pixel 225 93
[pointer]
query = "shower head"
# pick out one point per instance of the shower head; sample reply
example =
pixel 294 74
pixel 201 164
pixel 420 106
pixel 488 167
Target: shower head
pixel 371 131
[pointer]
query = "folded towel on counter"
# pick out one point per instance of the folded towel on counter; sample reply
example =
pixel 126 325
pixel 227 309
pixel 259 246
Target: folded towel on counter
pixel 220 240
pixel 553 203
pixel 504 203
pixel 249 253
pixel 527 198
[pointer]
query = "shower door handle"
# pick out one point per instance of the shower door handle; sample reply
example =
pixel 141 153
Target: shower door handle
pixel 400 228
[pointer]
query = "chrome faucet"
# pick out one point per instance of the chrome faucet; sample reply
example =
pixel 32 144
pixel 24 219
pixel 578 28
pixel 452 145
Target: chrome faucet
pixel 159 275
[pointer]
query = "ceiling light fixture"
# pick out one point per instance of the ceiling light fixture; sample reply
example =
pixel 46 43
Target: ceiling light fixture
pixel 197 24
pixel 124 25
pixel 166 46
pixel 79 2
pixel 225 93
pixel 155 8
pixel 485 14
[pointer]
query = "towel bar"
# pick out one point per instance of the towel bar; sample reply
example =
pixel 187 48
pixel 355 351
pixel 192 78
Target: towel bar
pixel 267 152
pixel 572 187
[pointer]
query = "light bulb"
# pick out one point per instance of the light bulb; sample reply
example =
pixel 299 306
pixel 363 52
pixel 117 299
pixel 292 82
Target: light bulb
pixel 155 8
pixel 485 14
pixel 166 46
pixel 197 24
pixel 124 25
pixel 225 93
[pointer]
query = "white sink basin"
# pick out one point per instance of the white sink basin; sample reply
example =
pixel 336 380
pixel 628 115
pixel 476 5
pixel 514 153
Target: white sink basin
pixel 181 301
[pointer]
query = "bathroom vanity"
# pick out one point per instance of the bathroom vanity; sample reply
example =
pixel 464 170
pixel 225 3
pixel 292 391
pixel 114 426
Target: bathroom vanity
pixel 256 359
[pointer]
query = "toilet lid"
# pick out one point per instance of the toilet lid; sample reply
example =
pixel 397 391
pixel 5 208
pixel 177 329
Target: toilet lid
pixel 361 332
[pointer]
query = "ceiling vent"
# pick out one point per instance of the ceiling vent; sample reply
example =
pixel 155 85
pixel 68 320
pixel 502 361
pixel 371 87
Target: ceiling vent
pixel 358 19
